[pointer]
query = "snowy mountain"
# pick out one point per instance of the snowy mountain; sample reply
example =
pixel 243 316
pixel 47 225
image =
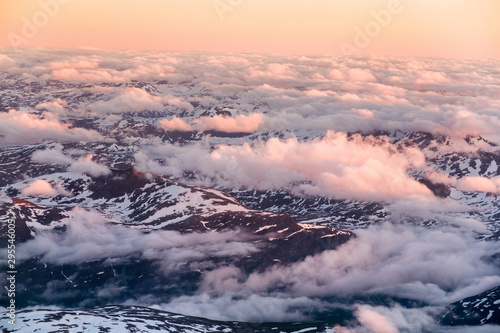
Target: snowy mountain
pixel 139 319
pixel 476 310
pixel 296 202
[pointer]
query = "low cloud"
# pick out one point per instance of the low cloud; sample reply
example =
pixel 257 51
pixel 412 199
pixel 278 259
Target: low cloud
pixel 129 100
pixel 438 266
pixel 442 96
pixel 355 74
pixel 335 166
pixel 175 124
pixel 87 166
pixel 296 95
pixel 374 321
pixel 380 319
pixel 84 164
pixel 177 102
pixel 57 106
pixel 6 62
pixel 50 156
pixel 90 236
pixel 137 100
pixel 39 187
pixel 240 123
pixel 237 124
pixel 245 307
pixel 481 184
pixel 17 128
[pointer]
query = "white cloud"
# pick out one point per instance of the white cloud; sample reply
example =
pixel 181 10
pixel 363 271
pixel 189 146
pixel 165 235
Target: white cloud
pixel 50 156
pixel 129 100
pixel 438 266
pixel 178 102
pixel 137 100
pixel 87 166
pixel 18 127
pixel 335 166
pixel 354 74
pixel 6 62
pixel 481 184
pixel 443 96
pixel 175 124
pixel 90 236
pixel 39 187
pixel 396 319
pixel 374 321
pixel 239 123
pixel 57 106
pixel 250 308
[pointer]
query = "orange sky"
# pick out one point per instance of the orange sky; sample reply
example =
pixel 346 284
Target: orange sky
pixel 456 28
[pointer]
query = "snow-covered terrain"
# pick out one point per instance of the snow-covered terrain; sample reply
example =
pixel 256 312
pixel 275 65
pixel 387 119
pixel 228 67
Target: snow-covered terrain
pixel 140 319
pixel 250 188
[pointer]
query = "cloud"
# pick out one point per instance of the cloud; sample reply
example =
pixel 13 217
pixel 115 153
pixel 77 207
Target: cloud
pixel 76 63
pixel 74 75
pixel 249 308
pixel 50 156
pixel 240 123
pixel 6 62
pixel 178 102
pixel 441 96
pixel 432 77
pixel 440 177
pixel 335 166
pixel 354 74
pixel 18 127
pixel 90 236
pixel 57 106
pixel 83 164
pixel 39 187
pixel 437 266
pixel 129 100
pixel 396 319
pixel 87 166
pixel 175 124
pixel 137 100
pixel 481 184
pixel 374 321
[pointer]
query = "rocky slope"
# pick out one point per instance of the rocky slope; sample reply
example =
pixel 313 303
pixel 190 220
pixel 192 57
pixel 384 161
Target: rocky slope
pixel 135 319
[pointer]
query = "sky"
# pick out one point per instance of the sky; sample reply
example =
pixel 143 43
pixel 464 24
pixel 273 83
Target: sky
pixel 445 28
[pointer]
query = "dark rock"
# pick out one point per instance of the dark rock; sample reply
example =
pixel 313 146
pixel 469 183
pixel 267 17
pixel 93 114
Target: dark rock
pixel 480 309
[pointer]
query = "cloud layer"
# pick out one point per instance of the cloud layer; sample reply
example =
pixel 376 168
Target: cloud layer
pixel 17 127
pixel 298 114
pixel 337 166
pixel 455 97
pixel 435 266
pixel 39 187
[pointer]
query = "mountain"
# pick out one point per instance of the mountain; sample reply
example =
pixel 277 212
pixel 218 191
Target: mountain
pixel 115 318
pixel 475 310
pixel 147 204
pixel 114 210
